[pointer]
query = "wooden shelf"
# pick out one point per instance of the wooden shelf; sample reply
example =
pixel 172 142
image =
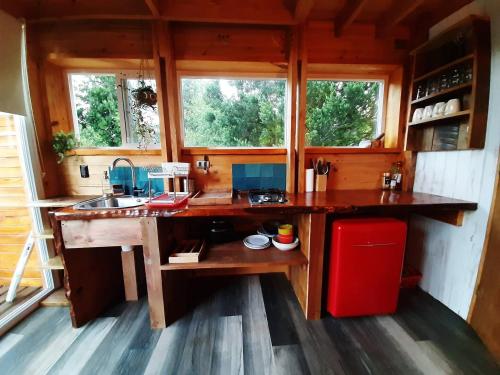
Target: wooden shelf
pixel 444 68
pixel 45 235
pixel 450 90
pixel 435 120
pixel 54 263
pixel 236 255
pixel 61 201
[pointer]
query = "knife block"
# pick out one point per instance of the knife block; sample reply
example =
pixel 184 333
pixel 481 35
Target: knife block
pixel 321 180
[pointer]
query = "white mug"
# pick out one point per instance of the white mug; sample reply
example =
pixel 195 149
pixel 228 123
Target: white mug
pixel 417 115
pixel 438 109
pixel 427 112
pixel 453 106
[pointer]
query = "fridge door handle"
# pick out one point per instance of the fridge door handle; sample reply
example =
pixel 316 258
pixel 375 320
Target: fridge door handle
pixel 375 244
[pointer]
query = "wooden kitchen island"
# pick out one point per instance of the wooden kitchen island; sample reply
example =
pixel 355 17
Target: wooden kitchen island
pixel 89 245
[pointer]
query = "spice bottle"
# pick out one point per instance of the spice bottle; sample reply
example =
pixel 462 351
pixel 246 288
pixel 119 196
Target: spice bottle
pixel 386 181
pixel 397 176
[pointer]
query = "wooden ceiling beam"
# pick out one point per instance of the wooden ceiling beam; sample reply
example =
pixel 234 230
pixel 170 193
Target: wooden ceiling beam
pixel 302 10
pixel 347 15
pixel 390 19
pixel 154 7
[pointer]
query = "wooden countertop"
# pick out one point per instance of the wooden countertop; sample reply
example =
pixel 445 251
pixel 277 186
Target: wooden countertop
pixel 340 201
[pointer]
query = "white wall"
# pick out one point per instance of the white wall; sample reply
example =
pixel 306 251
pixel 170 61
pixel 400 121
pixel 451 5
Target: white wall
pixel 449 256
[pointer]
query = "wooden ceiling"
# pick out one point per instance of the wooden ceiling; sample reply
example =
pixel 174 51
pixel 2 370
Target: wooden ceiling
pixel 385 14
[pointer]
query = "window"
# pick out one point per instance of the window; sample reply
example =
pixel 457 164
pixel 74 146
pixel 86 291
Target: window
pixel 104 114
pixel 343 113
pixel 233 112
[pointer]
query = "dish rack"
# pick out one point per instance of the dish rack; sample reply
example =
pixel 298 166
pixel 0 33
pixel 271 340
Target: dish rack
pixel 168 171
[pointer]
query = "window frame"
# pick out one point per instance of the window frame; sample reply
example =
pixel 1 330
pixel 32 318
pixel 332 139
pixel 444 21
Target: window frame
pixel 121 77
pixel 363 77
pixel 202 150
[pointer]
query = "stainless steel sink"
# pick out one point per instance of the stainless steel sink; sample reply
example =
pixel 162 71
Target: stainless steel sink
pixel 106 203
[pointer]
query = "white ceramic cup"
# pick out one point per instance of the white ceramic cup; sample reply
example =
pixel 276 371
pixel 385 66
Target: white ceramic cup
pixel 453 106
pixel 427 112
pixel 417 115
pixel 438 109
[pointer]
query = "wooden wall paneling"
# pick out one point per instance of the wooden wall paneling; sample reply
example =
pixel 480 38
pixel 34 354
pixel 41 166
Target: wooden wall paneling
pixel 291 123
pixel 109 39
pixel 357 45
pixel 219 175
pixel 15 218
pixel 226 11
pixel 485 305
pixel 230 43
pixel 355 171
pixel 74 184
pixel 162 92
pixel 57 94
pixel 43 130
pixel 347 15
pixel 302 107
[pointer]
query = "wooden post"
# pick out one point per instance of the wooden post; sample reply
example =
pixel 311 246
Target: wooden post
pixel 301 128
pixel 291 141
pixel 307 279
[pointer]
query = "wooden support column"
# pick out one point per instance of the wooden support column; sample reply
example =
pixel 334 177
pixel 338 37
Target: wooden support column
pixel 133 273
pixel 302 99
pixel 307 279
pixel 166 289
pixel 161 90
pixel 292 82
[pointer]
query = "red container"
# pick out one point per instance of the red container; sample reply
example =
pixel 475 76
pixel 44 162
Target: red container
pixel 285 238
pixel 366 261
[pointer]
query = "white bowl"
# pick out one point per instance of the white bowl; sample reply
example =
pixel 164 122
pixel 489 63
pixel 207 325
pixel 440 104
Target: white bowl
pixel 286 246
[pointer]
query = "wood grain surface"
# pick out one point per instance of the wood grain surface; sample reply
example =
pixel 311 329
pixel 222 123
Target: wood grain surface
pixel 250 325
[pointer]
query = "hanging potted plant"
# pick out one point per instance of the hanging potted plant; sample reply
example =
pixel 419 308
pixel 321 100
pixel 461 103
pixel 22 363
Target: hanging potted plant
pixel 144 97
pixel 62 143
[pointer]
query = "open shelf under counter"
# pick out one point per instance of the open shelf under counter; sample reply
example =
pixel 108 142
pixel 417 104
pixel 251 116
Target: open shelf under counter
pixel 236 255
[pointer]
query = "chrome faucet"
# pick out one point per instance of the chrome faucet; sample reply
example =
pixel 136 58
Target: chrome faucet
pixel 132 169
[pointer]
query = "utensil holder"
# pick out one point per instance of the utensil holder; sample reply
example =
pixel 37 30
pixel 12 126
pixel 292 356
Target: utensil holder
pixel 321 180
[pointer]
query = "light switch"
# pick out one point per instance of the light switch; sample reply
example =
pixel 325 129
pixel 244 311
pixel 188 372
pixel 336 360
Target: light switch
pixel 84 171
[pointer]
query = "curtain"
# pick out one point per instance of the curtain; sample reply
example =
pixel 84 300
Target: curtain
pixel 11 78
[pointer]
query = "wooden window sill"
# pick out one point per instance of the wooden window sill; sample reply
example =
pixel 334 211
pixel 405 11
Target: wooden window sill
pixel 111 151
pixel 233 151
pixel 351 150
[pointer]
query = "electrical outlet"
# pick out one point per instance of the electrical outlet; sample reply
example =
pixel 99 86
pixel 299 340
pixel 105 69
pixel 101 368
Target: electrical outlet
pixel 202 164
pixel 84 171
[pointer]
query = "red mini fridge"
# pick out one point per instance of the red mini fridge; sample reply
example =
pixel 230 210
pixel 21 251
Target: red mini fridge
pixel 366 261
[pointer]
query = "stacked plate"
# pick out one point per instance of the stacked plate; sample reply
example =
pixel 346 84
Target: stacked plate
pixel 257 242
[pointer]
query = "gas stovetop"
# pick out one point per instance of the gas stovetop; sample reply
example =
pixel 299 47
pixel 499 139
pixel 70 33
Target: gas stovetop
pixel 266 196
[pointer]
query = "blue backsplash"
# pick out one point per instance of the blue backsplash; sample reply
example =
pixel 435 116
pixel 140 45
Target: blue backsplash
pixel 123 176
pixel 259 176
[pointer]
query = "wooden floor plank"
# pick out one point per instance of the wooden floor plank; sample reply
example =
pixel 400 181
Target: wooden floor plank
pixel 228 354
pixel 257 346
pixel 77 355
pixel 231 328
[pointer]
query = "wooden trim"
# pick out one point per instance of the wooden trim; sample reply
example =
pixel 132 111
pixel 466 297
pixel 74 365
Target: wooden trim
pixel 347 15
pixel 291 108
pixel 454 217
pixel 351 150
pixel 302 107
pixel 215 67
pixel 232 151
pixel 111 151
pixel 161 91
